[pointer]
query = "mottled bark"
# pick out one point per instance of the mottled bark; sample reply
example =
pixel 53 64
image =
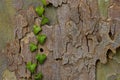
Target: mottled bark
pixel 84 32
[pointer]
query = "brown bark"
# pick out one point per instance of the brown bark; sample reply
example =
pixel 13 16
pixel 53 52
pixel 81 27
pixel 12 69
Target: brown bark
pixel 82 36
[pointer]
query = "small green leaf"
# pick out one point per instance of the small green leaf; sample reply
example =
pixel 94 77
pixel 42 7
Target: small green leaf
pixel 40 10
pixel 33 47
pixel 45 20
pixel 36 29
pixel 31 67
pixel 38 76
pixel 41 39
pixel 44 2
pixel 41 58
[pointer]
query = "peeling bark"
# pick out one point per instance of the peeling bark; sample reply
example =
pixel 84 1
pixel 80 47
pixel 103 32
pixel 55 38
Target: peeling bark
pixel 81 37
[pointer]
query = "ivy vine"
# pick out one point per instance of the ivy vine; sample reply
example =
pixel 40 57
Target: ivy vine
pixel 41 39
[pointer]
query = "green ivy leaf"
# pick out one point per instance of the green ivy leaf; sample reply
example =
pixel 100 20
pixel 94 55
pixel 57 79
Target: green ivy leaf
pixel 45 20
pixel 44 2
pixel 41 58
pixel 36 29
pixel 31 67
pixel 41 39
pixel 38 76
pixel 40 10
pixel 33 47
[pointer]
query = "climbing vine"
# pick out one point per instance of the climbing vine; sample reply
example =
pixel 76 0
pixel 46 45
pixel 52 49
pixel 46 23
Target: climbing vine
pixel 41 40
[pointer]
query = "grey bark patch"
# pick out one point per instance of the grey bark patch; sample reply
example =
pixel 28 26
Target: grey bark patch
pixel 51 13
pixel 56 3
pixel 74 14
pixel 18 4
pixel 3 63
pixel 22 71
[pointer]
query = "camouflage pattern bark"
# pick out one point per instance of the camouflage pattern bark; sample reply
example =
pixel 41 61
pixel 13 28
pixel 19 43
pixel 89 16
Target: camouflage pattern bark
pixel 84 32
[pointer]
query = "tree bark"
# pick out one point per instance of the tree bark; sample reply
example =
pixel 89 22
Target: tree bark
pixel 84 32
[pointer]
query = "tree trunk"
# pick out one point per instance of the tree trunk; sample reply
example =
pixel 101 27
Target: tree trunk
pixel 80 34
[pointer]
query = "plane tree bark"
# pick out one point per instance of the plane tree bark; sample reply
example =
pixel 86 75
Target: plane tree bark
pixel 83 33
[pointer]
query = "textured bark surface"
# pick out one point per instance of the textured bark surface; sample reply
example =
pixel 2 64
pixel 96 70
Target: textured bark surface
pixel 84 32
